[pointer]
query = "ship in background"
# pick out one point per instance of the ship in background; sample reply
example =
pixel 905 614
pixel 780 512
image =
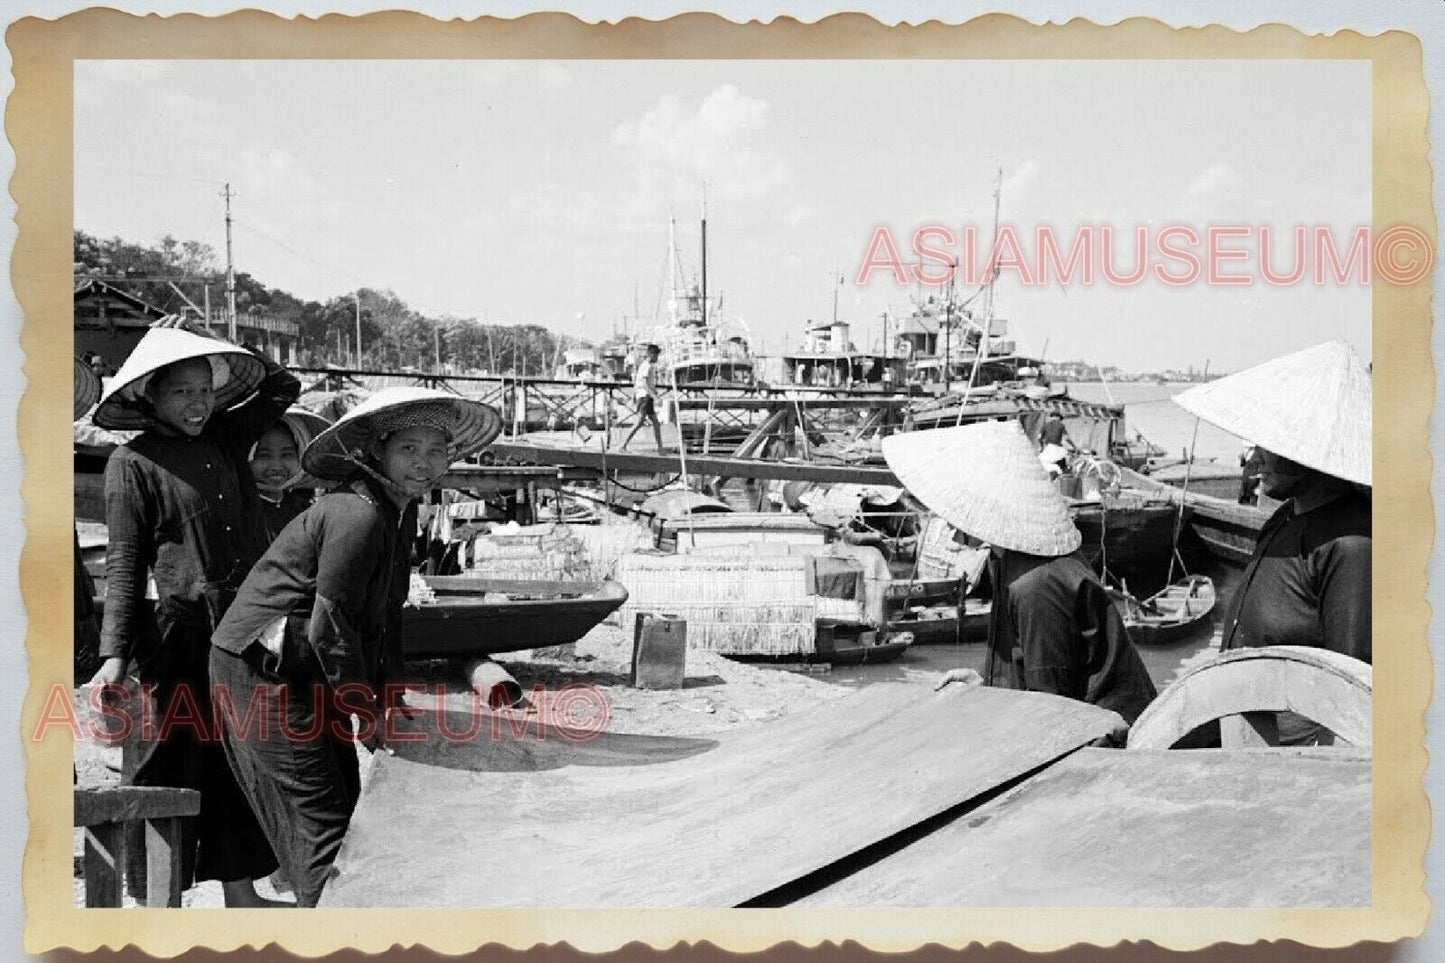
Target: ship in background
pixel 701 346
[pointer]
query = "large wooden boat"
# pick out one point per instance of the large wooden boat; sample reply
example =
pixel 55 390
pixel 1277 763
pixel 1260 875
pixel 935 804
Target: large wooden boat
pixel 1228 529
pixel 473 617
pixel 1128 537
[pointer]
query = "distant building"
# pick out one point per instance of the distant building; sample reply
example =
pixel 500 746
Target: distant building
pixel 110 321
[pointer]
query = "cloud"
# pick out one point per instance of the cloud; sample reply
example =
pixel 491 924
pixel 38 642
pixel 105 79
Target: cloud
pixel 1217 192
pixel 1216 179
pixel 721 142
pixel 1019 180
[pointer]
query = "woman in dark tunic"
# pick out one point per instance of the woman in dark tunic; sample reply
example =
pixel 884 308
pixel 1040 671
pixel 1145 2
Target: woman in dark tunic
pixel 87 630
pixel 1309 414
pixel 181 507
pixel 285 490
pixel 315 634
pixel 1053 627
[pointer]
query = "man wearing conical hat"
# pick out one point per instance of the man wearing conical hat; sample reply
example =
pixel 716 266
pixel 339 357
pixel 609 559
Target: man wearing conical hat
pixel 1308 581
pixel 1053 627
pixel 182 511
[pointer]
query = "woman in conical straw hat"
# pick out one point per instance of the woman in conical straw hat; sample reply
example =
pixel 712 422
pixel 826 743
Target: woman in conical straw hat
pixel 315 633
pixel 1308 582
pixel 181 508
pixel 1053 627
pixel 87 632
pixel 285 490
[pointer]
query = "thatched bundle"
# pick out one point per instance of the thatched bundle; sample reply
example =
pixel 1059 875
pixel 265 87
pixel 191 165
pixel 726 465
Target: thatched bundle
pixel 554 552
pixel 734 604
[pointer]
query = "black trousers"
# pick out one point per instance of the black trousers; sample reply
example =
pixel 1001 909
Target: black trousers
pixel 290 749
pixel 225 841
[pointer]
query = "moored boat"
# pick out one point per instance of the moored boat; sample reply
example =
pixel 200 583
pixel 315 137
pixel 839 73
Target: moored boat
pixel 1228 529
pixel 1170 615
pixel 468 617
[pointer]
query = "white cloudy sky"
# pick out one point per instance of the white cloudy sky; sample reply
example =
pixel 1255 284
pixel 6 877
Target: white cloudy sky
pixel 535 191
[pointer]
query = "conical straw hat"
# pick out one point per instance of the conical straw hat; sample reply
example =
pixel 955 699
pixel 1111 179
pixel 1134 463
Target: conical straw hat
pixel 335 452
pixel 985 479
pixel 235 373
pixel 1312 407
pixel 304 425
pixel 87 388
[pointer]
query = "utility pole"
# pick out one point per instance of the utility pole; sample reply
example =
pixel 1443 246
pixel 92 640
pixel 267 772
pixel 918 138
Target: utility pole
pixel 357 297
pixel 437 333
pixel 230 268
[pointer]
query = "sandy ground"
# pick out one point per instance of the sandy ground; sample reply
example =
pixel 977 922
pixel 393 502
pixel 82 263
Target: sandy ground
pixel 717 694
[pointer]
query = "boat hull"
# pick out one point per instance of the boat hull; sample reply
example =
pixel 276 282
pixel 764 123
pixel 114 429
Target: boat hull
pixel 1181 611
pixel 1131 542
pixel 1228 529
pixel 469 620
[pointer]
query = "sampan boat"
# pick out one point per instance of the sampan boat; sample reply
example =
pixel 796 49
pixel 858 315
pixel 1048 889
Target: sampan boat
pixel 471 617
pixel 1169 616
pixel 929 610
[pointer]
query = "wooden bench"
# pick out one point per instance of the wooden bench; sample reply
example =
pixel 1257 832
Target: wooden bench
pixel 105 813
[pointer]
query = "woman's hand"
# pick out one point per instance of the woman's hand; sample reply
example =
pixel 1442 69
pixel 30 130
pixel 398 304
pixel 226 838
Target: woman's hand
pixel 111 672
pixel 966 676
pixel 184 322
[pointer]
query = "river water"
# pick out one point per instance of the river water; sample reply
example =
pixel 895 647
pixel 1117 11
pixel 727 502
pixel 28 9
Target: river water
pixel 1148 409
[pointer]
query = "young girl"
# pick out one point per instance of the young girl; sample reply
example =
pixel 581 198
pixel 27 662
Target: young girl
pixel 181 508
pixel 315 634
pixel 284 488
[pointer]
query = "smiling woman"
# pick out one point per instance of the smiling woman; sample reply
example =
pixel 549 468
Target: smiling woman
pixel 315 634
pixel 180 508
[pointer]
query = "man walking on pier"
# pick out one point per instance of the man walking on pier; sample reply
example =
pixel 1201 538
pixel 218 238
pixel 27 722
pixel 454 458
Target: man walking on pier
pixel 644 387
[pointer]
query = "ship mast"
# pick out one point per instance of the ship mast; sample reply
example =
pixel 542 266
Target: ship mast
pixel 673 269
pixel 704 255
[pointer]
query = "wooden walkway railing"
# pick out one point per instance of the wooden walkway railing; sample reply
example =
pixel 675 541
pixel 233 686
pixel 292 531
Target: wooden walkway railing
pixel 105 814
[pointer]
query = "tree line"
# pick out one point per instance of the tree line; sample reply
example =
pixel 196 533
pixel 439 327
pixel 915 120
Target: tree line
pixel 174 275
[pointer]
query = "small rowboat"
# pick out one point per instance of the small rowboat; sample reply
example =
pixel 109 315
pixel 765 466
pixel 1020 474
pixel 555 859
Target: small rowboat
pixel 471 617
pixel 1170 615
pixel 940 625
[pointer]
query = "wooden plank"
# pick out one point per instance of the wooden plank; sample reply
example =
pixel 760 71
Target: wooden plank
pixel 1150 828
pixel 631 820
pixel 1326 687
pixel 637 462
pixel 163 862
pixel 853 403
pixel 103 860
pixel 121 804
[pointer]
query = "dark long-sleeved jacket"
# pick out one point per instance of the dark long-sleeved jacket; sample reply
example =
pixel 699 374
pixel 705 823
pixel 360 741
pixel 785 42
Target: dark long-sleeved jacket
pixel 338 574
pixel 1308 582
pixel 1054 629
pixel 185 510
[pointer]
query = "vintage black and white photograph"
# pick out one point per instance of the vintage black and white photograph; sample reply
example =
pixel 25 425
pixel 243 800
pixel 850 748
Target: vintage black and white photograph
pixel 724 483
